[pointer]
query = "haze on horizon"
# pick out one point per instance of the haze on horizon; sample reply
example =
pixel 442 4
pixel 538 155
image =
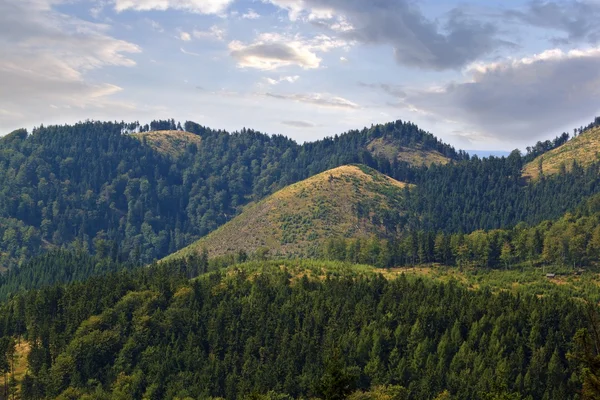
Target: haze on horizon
pixel 478 74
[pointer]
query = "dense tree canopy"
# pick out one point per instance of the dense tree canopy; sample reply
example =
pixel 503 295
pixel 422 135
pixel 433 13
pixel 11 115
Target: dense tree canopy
pixel 153 334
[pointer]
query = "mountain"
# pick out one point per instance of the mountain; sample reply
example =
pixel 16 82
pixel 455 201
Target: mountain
pixel 584 150
pixel 349 201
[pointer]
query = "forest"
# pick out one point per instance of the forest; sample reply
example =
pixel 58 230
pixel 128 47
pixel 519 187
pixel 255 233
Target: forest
pixel 573 240
pixel 285 333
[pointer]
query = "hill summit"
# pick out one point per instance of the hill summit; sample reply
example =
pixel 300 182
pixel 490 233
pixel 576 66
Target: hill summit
pixel 349 201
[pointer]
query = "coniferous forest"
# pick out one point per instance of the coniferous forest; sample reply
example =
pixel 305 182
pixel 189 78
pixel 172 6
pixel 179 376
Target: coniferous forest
pixel 483 284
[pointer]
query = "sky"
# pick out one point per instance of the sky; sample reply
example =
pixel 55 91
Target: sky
pixel 491 75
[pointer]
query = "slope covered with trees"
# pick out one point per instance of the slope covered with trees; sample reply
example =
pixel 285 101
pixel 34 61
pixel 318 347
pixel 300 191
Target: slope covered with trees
pixel 573 240
pixel 274 330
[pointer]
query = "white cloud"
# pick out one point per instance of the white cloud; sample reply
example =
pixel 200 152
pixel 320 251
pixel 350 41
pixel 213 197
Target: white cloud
pixel 517 99
pixel 288 79
pixel 155 25
pixel 272 50
pixel 189 53
pixel 45 58
pixel 251 14
pixel 186 37
pixel 301 9
pixel 213 33
pixel 194 6
pixel 319 99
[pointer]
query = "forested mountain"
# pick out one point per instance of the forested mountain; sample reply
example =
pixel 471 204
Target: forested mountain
pixel 352 201
pixel 109 188
pixel 93 186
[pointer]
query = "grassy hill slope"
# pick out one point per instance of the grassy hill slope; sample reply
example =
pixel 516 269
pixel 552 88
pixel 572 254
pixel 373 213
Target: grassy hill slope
pixel 584 149
pixel 348 201
pixel 415 155
pixel 172 143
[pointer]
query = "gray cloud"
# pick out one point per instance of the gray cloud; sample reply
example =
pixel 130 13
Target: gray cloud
pixel 392 90
pixel 578 20
pixel 417 41
pixel 519 99
pixel 299 124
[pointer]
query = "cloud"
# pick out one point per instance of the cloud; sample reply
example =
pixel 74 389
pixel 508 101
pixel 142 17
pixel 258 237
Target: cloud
pixel 299 124
pixel 186 37
pixel 288 79
pixel 213 33
pixel 193 6
pixel 155 25
pixel 272 50
pixel 393 90
pixel 45 58
pixel 251 14
pixel 518 99
pixel 319 99
pixel 416 41
pixel 189 53
pixel 578 20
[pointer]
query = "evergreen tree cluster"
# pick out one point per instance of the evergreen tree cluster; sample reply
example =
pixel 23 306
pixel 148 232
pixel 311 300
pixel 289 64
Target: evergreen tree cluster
pixel 155 334
pixel 573 241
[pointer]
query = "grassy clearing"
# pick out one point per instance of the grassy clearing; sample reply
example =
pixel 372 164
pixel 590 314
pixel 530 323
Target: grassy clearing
pixel 416 156
pixel 585 149
pixel 296 220
pixel 173 143
pixel 22 350
pixel 526 280
pixel 531 281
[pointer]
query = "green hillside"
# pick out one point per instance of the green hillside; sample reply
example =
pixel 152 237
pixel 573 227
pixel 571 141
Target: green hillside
pixel 348 201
